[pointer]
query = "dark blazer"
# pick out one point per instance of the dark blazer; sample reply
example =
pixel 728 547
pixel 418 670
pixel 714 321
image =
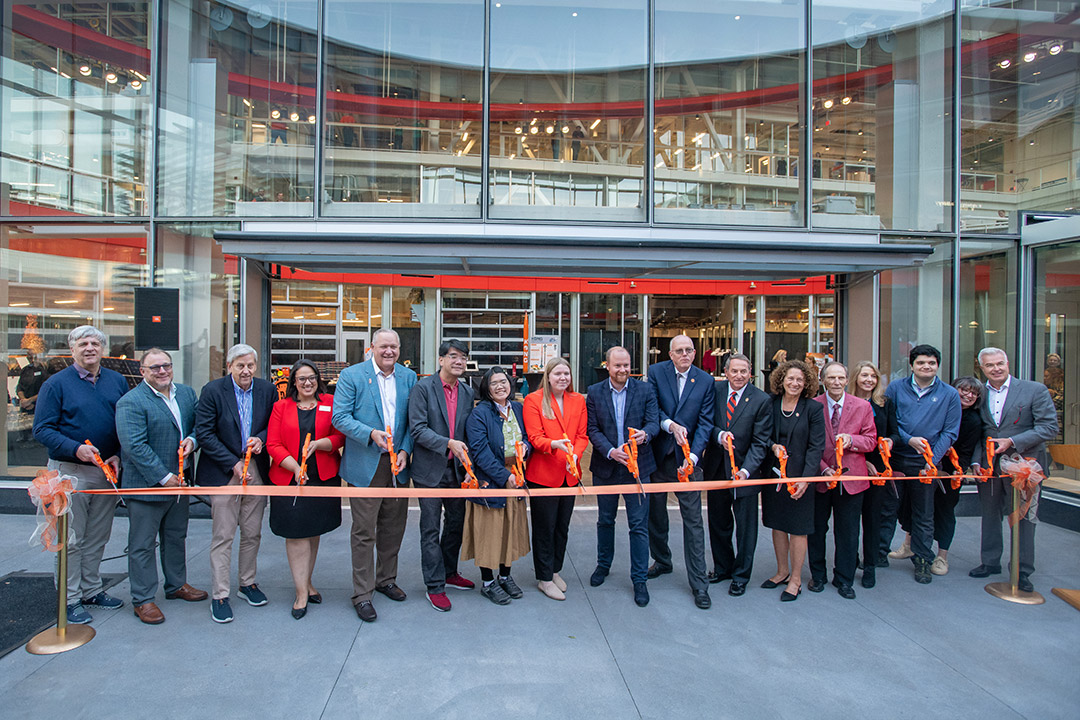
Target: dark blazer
pixel 430 427
pixel 217 429
pixel 1029 418
pixel 487 449
pixel 752 426
pixel 885 424
pixel 694 410
pixel 283 439
pixel 149 438
pixel 805 440
pixel 641 413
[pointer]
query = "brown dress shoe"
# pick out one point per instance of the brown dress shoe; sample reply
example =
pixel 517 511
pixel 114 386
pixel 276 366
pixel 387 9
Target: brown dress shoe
pixel 149 614
pixel 186 592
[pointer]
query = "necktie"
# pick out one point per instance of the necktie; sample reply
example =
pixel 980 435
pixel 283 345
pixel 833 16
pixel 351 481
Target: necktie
pixel 680 382
pixel 731 407
pixel 836 417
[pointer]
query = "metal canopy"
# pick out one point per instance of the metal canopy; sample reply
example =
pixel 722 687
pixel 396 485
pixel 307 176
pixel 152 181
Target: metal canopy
pixel 486 249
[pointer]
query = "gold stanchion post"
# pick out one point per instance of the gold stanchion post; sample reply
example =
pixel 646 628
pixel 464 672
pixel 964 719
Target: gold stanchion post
pixel 1010 591
pixel 62 637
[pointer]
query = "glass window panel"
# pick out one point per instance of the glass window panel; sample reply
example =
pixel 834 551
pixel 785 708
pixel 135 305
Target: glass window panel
pixel 1019 149
pixel 882 108
pixel 407 312
pixel 403 125
pixel 237 119
pixel 76 106
pixel 567 110
pixel 987 300
pixel 729 112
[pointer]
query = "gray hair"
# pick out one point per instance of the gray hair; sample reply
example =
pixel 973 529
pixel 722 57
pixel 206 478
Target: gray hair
pixel 986 351
pixel 375 335
pixel 240 350
pixel 830 364
pixel 85 331
pixel 738 356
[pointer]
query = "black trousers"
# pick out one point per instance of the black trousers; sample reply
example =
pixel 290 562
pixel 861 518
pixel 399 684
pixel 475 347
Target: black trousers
pixel 550 530
pixel 730 515
pixel 915 508
pixel 873 497
pixel 846 510
pixel 945 514
pixel 439 552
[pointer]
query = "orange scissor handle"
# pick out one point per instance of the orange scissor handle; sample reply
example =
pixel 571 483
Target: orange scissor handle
pixel 470 482
pixel 104 466
pixel 883 450
pixel 927 476
pixel 574 470
pixel 839 461
pixel 390 449
pixel 519 463
pixel 731 455
pixel 955 460
pixel 303 459
pixel 247 462
pixel 180 456
pixel 988 472
pixel 684 476
pixel 783 460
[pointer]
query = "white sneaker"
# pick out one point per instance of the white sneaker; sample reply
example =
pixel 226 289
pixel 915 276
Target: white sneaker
pixel 902 553
pixel 940 566
pixel 559 582
pixel 551 590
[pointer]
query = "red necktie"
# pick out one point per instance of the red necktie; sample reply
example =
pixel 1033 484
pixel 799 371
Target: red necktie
pixel 836 418
pixel 731 407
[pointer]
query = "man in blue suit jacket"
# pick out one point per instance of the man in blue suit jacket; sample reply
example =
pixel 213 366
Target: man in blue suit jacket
pixel 615 406
pixel 154 421
pixel 685 397
pixel 371 397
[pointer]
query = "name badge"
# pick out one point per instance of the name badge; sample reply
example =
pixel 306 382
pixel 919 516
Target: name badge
pixel 325 408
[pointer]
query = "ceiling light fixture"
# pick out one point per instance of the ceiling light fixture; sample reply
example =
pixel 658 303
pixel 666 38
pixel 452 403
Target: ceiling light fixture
pixel 1004 64
pixel 1030 56
pixel 827 104
pixel 846 100
pixel 84 70
pixel 1055 48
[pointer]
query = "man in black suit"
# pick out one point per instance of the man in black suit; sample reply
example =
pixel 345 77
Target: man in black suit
pixel 439 405
pixel 685 397
pixel 744 414
pixel 232 416
pixel 614 406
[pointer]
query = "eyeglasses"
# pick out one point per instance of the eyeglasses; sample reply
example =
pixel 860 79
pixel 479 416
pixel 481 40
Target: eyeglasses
pixel 683 351
pixel 164 367
pixel 308 380
pixel 456 356
pixel 967 391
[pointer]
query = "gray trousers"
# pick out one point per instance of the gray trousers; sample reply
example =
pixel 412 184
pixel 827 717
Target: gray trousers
pixel 693 528
pixel 377 524
pixel 995 498
pixel 167 522
pixel 229 513
pixel 91 524
pixel 439 551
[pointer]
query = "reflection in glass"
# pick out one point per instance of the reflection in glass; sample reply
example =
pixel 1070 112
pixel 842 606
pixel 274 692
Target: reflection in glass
pixel 75 105
pixel 882 108
pixel 906 320
pixel 728 112
pixel 237 119
pixel 403 122
pixel 568 110
pixel 987 296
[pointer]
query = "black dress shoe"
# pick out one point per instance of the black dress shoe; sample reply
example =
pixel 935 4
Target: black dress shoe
pixel 600 574
pixel 366 611
pixel 641 594
pixel 315 599
pixel 770 584
pixel 836 582
pixel 1024 583
pixel 715 577
pixel 788 597
pixel 736 588
pixel 656 570
pixel 702 599
pixel 983 571
pixel 846 591
pixel 816 586
pixel 392 591
pixel 869 577
pixel 299 612
pixel 882 561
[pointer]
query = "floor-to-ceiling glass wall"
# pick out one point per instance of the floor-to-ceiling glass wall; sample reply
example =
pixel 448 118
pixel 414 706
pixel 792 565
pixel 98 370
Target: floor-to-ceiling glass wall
pixel 988 300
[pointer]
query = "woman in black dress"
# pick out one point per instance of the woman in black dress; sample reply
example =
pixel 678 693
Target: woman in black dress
pixel 867 383
pixel 306 409
pixel 798 429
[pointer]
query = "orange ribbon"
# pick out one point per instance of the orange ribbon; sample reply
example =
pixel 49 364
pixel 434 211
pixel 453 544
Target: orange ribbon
pixel 883 450
pixel 927 475
pixel 180 455
pixel 731 455
pixel 105 467
pixel 684 475
pixel 783 471
pixel 247 461
pixel 519 463
pixel 470 482
pixel 49 492
pixel 390 449
pixel 1026 474
pixel 955 460
pixel 303 460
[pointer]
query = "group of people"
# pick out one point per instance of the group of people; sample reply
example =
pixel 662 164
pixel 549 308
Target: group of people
pixel 384 427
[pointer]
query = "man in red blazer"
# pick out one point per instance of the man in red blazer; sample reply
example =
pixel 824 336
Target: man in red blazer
pixel 850 419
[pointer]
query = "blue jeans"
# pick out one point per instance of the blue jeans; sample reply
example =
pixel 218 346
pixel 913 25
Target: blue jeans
pixel 637 517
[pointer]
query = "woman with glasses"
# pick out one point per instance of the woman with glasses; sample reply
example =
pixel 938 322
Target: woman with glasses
pixel 305 410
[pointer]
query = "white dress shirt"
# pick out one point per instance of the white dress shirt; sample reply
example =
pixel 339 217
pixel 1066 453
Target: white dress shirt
pixel 387 393
pixel 996 399
pixel 174 408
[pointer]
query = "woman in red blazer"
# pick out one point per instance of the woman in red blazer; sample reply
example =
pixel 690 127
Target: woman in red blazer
pixel 307 408
pixel 555 422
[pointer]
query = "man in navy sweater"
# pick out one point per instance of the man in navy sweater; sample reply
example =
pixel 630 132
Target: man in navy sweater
pixel 75 405
pixel 927 413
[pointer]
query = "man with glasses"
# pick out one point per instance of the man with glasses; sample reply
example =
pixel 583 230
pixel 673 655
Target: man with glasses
pixel 155 423
pixel 439 405
pixel 75 405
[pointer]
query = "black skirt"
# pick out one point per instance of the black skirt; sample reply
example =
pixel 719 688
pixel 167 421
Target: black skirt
pixel 304 517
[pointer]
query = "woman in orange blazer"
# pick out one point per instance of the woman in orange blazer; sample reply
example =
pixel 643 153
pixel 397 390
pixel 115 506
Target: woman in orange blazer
pixel 555 422
pixel 307 408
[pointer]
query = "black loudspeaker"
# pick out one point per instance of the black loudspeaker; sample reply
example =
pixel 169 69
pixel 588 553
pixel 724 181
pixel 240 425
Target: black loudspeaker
pixel 157 318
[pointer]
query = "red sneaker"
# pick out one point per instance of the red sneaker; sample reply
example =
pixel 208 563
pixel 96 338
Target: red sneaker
pixel 458 582
pixel 439 601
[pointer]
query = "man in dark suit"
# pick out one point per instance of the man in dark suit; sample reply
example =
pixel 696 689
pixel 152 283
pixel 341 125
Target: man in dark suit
pixel 439 405
pixel 154 422
pixel 614 406
pixel 684 394
pixel 1020 416
pixel 232 416
pixel 743 413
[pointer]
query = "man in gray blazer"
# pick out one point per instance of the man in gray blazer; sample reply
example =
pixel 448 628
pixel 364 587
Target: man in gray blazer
pixel 154 421
pixel 439 405
pixel 1019 415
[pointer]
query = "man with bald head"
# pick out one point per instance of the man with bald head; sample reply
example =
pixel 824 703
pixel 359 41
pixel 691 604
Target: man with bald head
pixel 685 397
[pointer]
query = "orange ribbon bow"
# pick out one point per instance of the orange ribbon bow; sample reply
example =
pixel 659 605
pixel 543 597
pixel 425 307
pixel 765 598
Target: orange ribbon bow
pixel 519 463
pixel 791 488
pixel 470 482
pixel 50 492
pixel 955 460
pixel 731 455
pixel 180 455
pixel 883 450
pixel 684 476
pixel 247 461
pixel 105 467
pixel 390 449
pixel 1026 475
pixel 303 460
pixel 927 475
